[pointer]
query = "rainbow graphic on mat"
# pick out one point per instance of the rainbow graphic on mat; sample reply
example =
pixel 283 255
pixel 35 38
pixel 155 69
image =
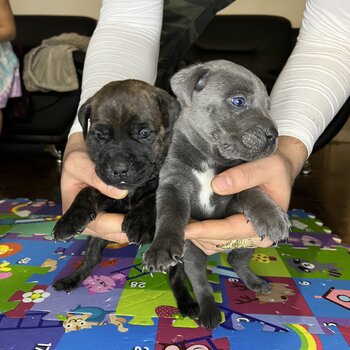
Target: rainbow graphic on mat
pixel 308 341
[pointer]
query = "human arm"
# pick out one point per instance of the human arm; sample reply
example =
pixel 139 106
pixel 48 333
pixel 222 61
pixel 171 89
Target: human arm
pixel 125 45
pixel 315 83
pixel 7 22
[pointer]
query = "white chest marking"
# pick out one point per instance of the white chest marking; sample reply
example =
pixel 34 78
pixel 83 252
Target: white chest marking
pixel 204 178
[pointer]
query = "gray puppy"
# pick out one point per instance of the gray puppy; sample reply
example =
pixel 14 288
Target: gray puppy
pixel 224 121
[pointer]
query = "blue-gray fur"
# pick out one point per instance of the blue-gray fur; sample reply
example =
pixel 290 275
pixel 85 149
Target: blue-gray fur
pixel 212 134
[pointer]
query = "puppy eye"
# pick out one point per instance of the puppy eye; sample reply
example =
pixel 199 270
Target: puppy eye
pixel 144 133
pixel 238 101
pixel 100 136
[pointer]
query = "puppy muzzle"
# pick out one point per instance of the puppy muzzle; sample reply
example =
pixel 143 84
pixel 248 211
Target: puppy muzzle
pixel 125 173
pixel 260 139
pixel 248 145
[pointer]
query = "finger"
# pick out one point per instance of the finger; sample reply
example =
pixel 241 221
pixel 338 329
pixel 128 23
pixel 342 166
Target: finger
pixel 232 227
pixel 106 223
pixel 120 238
pixel 213 243
pixel 208 250
pixel 107 226
pixel 109 191
pixel 80 163
pixel 243 176
pixel 69 190
pixel 265 243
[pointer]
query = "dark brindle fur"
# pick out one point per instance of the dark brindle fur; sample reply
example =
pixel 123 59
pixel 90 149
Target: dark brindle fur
pixel 128 137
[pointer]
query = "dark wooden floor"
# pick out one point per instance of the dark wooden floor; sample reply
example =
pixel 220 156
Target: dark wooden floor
pixel 30 172
pixel 326 191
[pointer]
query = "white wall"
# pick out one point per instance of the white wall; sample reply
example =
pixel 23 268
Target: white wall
pixel 291 9
pixel 89 8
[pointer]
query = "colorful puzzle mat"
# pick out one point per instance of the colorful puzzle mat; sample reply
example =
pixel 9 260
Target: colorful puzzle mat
pixel 121 307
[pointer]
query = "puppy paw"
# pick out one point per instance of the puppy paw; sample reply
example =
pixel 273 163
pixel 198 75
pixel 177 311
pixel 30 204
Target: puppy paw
pixel 273 223
pixel 69 226
pixel 163 254
pixel 63 231
pixel 210 316
pixel 139 226
pixel 257 284
pixel 68 283
pixel 188 308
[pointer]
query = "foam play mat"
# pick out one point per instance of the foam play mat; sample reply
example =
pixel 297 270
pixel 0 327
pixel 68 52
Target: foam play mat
pixel 121 307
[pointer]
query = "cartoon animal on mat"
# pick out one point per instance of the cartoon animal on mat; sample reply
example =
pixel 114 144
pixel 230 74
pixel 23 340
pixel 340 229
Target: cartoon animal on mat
pixel 279 294
pixel 52 264
pixel 183 347
pixel 5 270
pixel 301 265
pixel 9 248
pixel 74 322
pixel 87 317
pixel 102 283
pixel 263 258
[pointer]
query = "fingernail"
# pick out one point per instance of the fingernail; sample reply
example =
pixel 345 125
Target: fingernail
pixel 117 193
pixel 221 184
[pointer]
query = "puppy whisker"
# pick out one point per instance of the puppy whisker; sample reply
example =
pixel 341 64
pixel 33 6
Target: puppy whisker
pixel 187 261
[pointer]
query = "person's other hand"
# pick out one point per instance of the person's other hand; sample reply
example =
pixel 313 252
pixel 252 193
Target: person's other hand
pixel 274 174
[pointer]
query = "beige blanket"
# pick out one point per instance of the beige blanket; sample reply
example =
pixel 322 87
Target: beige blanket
pixel 50 66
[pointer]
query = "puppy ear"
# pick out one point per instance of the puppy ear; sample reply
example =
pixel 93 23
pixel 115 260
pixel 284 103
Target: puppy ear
pixel 188 80
pixel 169 107
pixel 84 116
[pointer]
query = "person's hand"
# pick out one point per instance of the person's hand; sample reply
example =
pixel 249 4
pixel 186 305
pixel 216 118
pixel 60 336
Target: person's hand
pixel 78 171
pixel 274 174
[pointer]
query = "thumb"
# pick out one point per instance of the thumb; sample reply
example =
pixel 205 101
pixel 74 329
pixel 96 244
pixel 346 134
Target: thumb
pixel 79 168
pixel 239 178
pixel 108 190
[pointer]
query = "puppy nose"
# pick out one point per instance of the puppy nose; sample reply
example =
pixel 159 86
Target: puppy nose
pixel 120 169
pixel 271 134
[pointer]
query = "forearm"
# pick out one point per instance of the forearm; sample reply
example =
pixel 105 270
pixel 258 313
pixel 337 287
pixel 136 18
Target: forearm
pixel 294 153
pixel 315 82
pixel 7 34
pixel 7 22
pixel 125 45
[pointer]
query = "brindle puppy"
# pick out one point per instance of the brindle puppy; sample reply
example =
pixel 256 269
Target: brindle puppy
pixel 127 127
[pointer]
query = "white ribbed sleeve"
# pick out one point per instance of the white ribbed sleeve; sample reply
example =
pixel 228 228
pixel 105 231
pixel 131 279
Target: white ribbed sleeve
pixel 125 45
pixel 315 82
